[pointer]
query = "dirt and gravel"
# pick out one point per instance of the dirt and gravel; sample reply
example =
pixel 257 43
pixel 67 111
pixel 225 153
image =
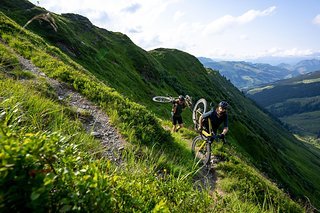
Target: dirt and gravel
pixel 96 122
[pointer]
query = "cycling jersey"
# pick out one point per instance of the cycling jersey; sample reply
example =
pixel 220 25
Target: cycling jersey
pixel 176 112
pixel 216 120
pixel 178 108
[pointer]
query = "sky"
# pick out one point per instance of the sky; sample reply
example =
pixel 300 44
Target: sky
pixel 217 29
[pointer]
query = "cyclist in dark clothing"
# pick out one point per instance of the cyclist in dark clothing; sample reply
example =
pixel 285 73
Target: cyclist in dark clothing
pixel 178 105
pixel 217 117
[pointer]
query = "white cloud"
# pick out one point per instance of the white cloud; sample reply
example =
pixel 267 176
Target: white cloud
pixel 226 54
pixel 296 52
pixel 122 13
pixel 316 20
pixel 168 24
pixel 178 15
pixel 137 29
pixel 244 37
pixel 150 42
pixel 227 21
pixel 132 8
pixel 219 25
pixel 253 14
pixel 279 52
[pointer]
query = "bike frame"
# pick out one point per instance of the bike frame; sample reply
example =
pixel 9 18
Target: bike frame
pixel 205 133
pixel 201 144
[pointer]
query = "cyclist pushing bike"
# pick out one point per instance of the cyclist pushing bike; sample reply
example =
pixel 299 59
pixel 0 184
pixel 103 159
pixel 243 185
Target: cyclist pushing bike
pixel 207 123
pixel 217 116
pixel 177 108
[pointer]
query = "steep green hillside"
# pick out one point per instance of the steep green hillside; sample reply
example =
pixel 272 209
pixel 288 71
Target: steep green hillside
pixel 255 136
pixel 267 143
pixel 294 101
pixel 50 163
pixel 110 56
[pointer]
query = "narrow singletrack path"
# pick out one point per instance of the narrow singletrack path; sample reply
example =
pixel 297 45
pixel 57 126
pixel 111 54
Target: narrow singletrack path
pixel 96 122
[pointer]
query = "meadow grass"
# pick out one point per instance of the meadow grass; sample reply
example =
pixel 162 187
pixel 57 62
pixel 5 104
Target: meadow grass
pixel 69 163
pixel 46 152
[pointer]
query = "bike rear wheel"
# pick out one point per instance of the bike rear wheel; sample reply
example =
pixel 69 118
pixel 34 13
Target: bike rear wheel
pixel 201 149
pixel 199 108
pixel 162 99
pixel 188 101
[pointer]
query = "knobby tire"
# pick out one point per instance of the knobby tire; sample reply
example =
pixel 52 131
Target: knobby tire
pixel 199 108
pixel 201 149
pixel 162 99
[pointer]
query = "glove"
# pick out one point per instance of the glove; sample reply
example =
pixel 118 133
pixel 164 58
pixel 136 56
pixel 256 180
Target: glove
pixel 221 136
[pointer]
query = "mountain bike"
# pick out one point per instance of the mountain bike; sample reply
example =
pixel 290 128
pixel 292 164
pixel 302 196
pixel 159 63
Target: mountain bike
pixel 199 108
pixel 170 99
pixel 201 144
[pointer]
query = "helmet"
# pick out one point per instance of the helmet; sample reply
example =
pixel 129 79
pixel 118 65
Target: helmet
pixel 223 104
pixel 181 97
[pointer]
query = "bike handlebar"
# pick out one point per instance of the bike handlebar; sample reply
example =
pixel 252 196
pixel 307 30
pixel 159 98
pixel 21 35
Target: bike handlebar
pixel 211 136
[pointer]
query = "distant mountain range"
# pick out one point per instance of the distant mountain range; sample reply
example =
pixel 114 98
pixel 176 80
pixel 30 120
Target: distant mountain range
pixel 246 75
pixel 110 70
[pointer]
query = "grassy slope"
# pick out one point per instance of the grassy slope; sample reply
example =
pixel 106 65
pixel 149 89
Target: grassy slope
pixel 293 101
pixel 244 127
pixel 307 122
pixel 110 56
pixel 268 144
pixel 126 193
pixel 73 174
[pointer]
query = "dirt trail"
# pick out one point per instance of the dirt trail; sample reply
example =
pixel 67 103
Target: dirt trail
pixel 207 177
pixel 96 123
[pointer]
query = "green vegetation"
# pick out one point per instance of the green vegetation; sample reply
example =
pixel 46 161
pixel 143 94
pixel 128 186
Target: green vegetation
pixel 111 57
pixel 296 102
pixel 309 140
pixel 49 167
pixel 45 166
pixel 39 134
pixel 303 123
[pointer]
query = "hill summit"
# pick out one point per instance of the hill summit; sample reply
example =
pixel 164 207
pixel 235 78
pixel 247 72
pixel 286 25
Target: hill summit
pixel 159 172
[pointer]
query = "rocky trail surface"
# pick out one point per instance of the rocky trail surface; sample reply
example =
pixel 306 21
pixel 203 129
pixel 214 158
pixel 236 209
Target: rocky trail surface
pixel 96 122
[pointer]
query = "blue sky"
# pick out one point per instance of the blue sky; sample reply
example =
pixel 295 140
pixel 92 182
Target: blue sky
pixel 223 29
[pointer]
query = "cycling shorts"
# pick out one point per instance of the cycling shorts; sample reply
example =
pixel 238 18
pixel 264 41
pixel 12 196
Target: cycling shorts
pixel 176 119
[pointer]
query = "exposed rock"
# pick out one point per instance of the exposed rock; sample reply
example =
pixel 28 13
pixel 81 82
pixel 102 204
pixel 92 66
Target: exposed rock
pixel 95 121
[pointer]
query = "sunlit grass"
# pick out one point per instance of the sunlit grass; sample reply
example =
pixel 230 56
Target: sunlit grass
pixel 157 173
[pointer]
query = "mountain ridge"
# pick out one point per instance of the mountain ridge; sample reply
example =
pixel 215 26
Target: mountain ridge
pixel 166 75
pixel 292 98
pixel 246 75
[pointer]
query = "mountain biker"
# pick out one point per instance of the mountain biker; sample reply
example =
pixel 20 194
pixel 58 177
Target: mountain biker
pixel 178 105
pixel 217 116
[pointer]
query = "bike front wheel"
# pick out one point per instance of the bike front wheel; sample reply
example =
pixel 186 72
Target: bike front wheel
pixel 162 99
pixel 201 149
pixel 199 108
